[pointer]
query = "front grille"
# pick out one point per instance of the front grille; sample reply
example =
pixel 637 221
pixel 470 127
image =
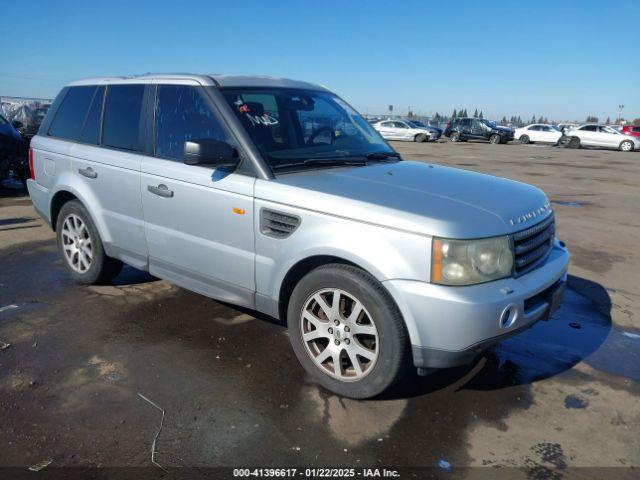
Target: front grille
pixel 532 246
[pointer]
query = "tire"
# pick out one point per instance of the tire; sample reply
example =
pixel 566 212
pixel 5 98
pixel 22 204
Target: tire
pixel 387 357
pixel 495 139
pixel 81 246
pixel 524 139
pixel 454 137
pixel 574 142
pixel 421 137
pixel 626 146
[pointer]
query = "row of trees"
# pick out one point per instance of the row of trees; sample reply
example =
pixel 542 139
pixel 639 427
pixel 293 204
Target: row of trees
pixel 513 120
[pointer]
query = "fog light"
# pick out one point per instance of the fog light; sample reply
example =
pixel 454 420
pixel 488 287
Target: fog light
pixel 508 316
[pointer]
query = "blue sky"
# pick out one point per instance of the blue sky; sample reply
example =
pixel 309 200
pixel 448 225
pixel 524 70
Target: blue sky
pixel 561 59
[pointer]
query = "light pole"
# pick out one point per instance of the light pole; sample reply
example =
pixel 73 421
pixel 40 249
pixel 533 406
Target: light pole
pixel 620 107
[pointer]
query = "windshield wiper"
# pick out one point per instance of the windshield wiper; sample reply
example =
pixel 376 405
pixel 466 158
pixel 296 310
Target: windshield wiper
pixel 322 162
pixel 381 155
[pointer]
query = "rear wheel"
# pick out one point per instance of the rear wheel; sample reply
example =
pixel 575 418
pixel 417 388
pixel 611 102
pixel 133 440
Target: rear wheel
pixel 82 248
pixel 454 137
pixel 574 142
pixel 626 146
pixel 524 139
pixel 495 139
pixel 419 138
pixel 347 332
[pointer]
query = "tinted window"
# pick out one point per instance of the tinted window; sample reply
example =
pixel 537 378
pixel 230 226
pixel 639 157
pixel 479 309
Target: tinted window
pixel 121 123
pixel 91 130
pixel 635 129
pixel 2 120
pixel 466 121
pixel 72 112
pixel 589 128
pixel 182 114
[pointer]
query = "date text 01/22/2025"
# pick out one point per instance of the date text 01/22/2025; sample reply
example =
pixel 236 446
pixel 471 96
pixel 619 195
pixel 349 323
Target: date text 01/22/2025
pixel 315 473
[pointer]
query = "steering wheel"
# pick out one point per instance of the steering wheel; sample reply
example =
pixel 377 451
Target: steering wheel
pixel 318 131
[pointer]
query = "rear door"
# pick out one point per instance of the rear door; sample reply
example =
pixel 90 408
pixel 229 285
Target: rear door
pixel 403 130
pixel 466 128
pixel 106 162
pixel 198 220
pixel 589 135
pixel 387 130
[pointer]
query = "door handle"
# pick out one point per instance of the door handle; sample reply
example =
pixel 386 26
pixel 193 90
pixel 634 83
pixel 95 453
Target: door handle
pixel 88 172
pixel 161 190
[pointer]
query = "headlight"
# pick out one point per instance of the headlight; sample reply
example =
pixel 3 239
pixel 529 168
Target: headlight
pixel 467 262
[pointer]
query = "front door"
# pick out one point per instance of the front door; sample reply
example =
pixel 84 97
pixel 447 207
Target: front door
pixel 198 220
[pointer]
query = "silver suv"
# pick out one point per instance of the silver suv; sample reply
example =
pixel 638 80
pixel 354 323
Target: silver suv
pixel 278 196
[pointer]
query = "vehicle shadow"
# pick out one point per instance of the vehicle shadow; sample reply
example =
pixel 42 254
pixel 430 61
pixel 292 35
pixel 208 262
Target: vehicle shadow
pixel 581 330
pixel 133 276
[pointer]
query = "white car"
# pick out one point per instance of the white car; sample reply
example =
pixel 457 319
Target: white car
pixel 538 132
pixel 601 136
pixel 401 130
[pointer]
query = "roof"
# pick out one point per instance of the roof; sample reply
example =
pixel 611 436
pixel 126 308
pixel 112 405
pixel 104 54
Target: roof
pixel 216 80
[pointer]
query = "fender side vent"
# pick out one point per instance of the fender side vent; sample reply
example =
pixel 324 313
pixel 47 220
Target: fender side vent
pixel 277 224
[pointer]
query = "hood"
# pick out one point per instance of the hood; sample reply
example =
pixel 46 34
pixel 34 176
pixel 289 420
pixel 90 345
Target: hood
pixel 414 196
pixel 500 128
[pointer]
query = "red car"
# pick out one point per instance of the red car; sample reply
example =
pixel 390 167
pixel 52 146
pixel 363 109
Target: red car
pixel 633 130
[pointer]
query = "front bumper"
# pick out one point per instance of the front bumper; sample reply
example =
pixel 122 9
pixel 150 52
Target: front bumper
pixel 450 326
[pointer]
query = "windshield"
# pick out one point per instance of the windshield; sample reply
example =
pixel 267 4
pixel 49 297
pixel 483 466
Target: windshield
pixel 489 123
pixel 293 126
pixel 417 124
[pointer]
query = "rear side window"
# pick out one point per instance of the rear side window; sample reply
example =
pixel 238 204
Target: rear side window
pixel 183 114
pixel 121 122
pixel 91 131
pixel 72 112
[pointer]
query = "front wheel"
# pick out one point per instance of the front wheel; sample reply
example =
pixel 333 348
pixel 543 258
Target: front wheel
pixel 419 138
pixel 524 139
pixel 455 137
pixel 82 248
pixel 626 146
pixel 347 332
pixel 495 139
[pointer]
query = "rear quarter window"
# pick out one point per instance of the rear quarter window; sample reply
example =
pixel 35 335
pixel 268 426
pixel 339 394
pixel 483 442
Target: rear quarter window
pixel 70 117
pixel 121 121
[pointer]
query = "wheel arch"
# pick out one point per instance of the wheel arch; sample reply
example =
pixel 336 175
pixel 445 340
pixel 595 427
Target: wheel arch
pixel 302 268
pixel 57 202
pixel 65 194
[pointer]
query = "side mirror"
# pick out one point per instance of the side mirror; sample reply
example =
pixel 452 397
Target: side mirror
pixel 210 152
pixel 17 124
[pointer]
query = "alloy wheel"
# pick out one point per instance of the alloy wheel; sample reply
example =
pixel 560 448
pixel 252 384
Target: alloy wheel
pixel 76 244
pixel 339 334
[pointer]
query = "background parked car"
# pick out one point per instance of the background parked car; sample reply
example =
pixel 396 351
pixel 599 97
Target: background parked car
pixel 538 132
pixel 632 130
pixel 463 129
pixel 401 130
pixel 12 150
pixel 600 136
pixel 434 132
